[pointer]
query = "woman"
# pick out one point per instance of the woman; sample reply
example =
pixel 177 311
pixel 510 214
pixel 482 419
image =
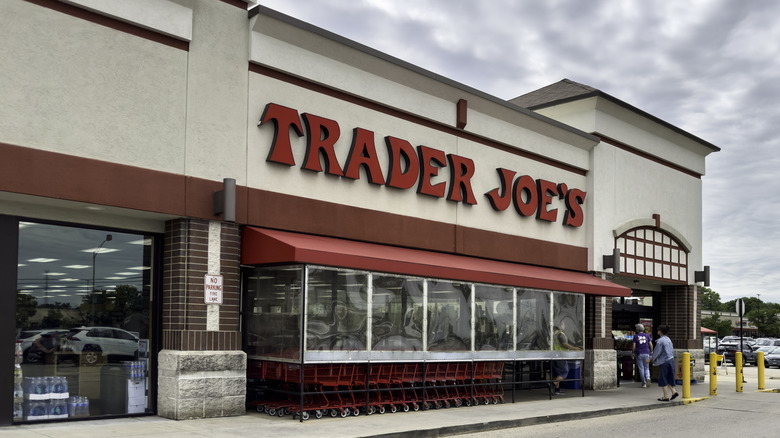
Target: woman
pixel 663 358
pixel 641 349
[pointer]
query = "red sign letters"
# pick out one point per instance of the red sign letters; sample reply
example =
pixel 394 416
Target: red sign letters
pixel 409 166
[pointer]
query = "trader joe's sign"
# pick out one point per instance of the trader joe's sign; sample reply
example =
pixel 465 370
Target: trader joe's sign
pixel 409 167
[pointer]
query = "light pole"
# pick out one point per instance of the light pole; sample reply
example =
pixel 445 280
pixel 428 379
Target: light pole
pixel 94 256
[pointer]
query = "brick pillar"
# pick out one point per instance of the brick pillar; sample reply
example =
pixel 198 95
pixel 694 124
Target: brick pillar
pixel 680 309
pixel 600 357
pixel 202 370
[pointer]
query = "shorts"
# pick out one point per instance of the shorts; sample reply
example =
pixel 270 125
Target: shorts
pixel 560 368
pixel 666 373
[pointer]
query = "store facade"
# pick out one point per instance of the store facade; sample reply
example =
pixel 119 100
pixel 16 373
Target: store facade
pixel 188 198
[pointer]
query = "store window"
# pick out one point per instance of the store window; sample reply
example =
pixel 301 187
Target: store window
pixel 569 320
pixel 83 320
pixel 337 309
pixel 397 313
pixel 272 312
pixel 494 318
pixel 533 320
pixel 352 315
pixel 449 316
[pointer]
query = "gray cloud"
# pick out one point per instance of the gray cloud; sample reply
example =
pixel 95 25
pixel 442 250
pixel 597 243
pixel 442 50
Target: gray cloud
pixel 708 66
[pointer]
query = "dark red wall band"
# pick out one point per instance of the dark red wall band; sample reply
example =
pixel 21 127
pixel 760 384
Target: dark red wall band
pixel 53 175
pixel 115 24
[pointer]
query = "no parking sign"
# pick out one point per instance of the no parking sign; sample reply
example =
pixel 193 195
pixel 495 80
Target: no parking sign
pixel 212 289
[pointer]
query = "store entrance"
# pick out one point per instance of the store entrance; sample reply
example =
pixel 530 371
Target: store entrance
pixel 626 314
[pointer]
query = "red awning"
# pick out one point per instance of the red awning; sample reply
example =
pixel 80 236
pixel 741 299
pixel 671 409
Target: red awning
pixel 707 331
pixel 262 246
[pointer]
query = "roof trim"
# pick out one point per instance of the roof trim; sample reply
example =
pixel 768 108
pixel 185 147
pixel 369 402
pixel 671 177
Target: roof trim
pixel 593 92
pixel 264 10
pixel 263 246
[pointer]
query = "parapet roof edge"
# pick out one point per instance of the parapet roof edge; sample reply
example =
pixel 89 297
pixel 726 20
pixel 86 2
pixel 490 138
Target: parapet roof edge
pixel 628 106
pixel 264 10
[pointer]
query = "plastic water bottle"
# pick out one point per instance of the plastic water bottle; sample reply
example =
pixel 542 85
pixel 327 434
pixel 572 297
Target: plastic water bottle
pixel 37 410
pixel 59 386
pixel 82 407
pixel 18 410
pixel 29 386
pixel 79 408
pixel 18 391
pixel 18 376
pixel 72 402
pixel 58 408
pixel 40 387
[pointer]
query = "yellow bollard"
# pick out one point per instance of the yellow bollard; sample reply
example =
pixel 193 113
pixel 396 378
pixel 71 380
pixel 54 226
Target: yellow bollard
pixel 686 375
pixel 738 367
pixel 760 364
pixel 713 374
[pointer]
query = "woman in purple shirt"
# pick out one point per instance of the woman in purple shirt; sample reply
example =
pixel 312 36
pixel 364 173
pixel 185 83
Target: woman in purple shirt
pixel 640 350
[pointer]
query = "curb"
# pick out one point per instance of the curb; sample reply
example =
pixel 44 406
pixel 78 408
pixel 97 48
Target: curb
pixel 688 401
pixel 521 422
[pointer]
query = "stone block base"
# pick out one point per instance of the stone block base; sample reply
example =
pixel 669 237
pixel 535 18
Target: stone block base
pixel 699 369
pixel 201 384
pixel 600 370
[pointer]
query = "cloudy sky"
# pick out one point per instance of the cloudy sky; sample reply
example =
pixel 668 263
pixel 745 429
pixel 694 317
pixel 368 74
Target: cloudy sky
pixel 710 67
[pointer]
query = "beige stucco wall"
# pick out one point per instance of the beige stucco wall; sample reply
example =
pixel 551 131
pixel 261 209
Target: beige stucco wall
pixel 631 187
pixel 83 89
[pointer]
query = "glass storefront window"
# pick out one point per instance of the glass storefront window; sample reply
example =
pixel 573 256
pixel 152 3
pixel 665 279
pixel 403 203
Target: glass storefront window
pixel 397 313
pixel 356 315
pixel 569 319
pixel 83 322
pixel 533 320
pixel 449 316
pixel 272 312
pixel 337 309
pixel 493 320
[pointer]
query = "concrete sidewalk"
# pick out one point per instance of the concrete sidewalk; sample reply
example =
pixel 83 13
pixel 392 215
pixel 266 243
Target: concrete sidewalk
pixel 531 407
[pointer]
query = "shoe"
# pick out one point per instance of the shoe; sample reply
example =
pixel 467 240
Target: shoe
pixel 644 385
pixel 674 396
pixel 663 399
pixel 557 392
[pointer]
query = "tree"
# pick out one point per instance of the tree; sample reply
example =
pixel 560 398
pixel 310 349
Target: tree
pixel 765 319
pixel 26 307
pixel 751 303
pixel 53 319
pixel 722 326
pixel 710 300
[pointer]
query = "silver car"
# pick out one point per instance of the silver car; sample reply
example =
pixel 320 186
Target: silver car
pixel 772 358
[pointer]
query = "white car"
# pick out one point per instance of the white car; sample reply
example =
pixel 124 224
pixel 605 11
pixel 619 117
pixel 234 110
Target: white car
pixel 92 342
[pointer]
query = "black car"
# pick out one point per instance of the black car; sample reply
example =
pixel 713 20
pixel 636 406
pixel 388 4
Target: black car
pixel 728 350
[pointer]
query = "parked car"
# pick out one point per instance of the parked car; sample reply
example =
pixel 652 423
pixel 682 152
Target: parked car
pixel 729 347
pixel 30 352
pixel 772 358
pixel 92 342
pixel 764 342
pixel 735 340
pixel 752 357
pixel 710 346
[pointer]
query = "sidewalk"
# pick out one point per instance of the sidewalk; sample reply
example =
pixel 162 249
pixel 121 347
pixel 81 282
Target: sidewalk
pixel 531 407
